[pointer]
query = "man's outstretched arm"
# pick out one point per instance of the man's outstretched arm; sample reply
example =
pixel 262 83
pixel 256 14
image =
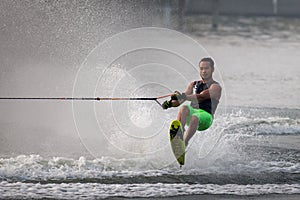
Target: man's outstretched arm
pixel 188 91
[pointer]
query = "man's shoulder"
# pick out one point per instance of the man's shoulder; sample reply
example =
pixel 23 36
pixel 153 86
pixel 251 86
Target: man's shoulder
pixel 216 83
pixel 216 86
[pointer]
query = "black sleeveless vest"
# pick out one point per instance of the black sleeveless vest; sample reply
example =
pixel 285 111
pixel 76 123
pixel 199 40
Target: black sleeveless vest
pixel 209 105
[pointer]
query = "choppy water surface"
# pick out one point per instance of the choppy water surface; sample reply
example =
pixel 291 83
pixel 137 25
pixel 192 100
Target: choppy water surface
pixel 255 155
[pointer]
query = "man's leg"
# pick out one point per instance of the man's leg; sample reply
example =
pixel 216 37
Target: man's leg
pixel 183 114
pixel 194 122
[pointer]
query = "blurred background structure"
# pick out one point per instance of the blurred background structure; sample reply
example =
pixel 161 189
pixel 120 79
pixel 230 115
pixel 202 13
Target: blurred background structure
pixel 288 8
pixel 280 8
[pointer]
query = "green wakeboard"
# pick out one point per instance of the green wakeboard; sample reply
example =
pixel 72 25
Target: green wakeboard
pixel 177 142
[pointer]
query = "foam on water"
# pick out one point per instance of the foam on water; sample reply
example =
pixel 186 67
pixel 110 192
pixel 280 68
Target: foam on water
pixel 243 123
pixel 36 168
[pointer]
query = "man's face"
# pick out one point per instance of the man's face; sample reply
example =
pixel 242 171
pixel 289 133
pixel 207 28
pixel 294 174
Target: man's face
pixel 205 70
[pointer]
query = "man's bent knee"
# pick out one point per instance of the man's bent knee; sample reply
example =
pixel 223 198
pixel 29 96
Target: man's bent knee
pixel 185 110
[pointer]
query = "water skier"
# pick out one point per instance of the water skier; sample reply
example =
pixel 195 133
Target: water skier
pixel 204 96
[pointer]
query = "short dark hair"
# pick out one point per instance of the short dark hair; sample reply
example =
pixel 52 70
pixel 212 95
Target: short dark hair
pixel 208 59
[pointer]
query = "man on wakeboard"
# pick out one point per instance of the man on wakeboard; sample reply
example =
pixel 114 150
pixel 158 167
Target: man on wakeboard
pixel 204 96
